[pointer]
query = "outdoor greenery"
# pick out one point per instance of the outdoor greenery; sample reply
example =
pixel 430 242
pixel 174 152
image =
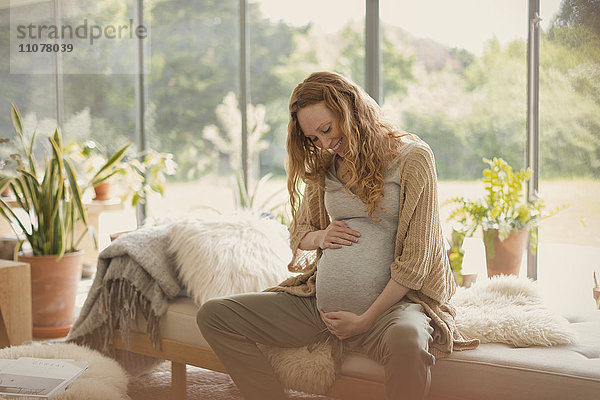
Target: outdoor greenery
pixel 465 106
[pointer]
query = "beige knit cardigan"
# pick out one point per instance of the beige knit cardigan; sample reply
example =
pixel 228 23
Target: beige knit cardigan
pixel 420 263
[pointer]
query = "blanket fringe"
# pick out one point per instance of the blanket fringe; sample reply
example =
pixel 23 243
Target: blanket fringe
pixel 119 294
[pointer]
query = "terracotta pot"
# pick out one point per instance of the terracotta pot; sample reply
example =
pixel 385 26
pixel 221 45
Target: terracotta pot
pixel 102 191
pixel 53 291
pixel 504 257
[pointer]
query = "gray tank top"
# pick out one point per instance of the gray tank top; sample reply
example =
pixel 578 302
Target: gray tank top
pixel 352 277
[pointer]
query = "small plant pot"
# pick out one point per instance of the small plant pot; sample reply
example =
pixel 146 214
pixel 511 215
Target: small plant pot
pixel 504 257
pixel 468 280
pixel 465 280
pixel 102 191
pixel 596 292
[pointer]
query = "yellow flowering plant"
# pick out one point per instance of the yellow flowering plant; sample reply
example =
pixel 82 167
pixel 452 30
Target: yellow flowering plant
pixel 504 206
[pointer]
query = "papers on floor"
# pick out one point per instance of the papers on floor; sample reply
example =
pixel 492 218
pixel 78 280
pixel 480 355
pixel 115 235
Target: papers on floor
pixel 38 377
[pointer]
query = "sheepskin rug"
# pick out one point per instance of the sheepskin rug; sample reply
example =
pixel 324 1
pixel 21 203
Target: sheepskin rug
pixel 228 254
pixel 104 379
pixel 302 370
pixel 509 309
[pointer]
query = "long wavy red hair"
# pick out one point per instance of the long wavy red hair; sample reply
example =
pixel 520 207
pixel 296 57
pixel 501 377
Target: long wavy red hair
pixel 372 142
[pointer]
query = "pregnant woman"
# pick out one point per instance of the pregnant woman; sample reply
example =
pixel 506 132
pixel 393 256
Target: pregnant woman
pixel 367 238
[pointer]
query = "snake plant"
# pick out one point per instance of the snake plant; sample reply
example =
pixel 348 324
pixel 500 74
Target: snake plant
pixel 50 198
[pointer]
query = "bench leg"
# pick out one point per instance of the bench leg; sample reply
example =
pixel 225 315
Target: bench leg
pixel 178 380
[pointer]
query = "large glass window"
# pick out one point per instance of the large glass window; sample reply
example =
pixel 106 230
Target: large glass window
pixel 101 107
pixel 570 144
pixel 192 101
pixel 455 73
pixel 288 41
pixel 33 94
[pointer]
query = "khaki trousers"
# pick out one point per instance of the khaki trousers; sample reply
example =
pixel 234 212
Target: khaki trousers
pixel 399 339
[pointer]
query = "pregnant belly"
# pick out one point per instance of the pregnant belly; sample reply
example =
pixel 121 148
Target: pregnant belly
pixel 351 278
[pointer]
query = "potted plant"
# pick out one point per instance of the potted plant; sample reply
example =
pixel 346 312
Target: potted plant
pixel 506 218
pixel 94 161
pixel 145 173
pixel 246 198
pixel 51 200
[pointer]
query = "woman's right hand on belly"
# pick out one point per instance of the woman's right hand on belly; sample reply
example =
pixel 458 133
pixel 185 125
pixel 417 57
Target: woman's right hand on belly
pixel 336 235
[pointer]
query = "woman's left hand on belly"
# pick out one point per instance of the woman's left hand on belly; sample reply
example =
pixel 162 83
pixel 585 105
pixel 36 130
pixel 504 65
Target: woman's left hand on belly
pixel 345 324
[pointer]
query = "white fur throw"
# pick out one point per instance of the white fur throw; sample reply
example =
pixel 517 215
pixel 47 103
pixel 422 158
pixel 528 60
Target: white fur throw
pixel 220 255
pixel 509 309
pixel 105 379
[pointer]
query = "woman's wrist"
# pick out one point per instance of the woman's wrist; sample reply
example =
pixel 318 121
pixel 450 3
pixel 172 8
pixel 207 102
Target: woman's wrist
pixel 312 240
pixel 367 319
pixel 320 239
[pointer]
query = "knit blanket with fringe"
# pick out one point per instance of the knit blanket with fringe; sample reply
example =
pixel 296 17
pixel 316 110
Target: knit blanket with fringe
pixel 135 274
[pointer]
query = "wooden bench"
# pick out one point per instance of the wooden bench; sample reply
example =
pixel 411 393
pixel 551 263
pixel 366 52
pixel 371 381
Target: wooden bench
pixel 493 371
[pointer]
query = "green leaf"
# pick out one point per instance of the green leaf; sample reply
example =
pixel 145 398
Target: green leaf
pixel 56 150
pixel 30 156
pixel 75 191
pixel 5 182
pixel 136 198
pixel 99 180
pixel 110 163
pixel 61 243
pixel 16 119
pixel 4 206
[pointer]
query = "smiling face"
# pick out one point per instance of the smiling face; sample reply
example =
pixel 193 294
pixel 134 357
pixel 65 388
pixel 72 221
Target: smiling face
pixel 320 126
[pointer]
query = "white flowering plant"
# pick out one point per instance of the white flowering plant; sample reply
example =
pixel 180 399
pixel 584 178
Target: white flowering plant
pixel 140 173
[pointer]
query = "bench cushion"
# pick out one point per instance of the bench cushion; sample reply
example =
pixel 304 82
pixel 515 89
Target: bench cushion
pixel 178 324
pixel 492 371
